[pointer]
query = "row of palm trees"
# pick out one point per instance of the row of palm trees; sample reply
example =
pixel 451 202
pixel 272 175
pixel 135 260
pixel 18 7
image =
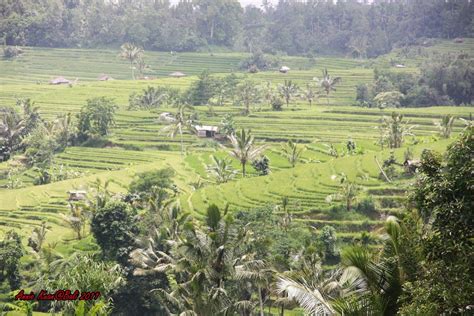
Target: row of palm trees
pixel 211 271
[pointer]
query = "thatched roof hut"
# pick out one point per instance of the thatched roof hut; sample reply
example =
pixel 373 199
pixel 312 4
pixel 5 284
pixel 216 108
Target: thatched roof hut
pixel 60 80
pixel 105 78
pixel 77 195
pixel 284 69
pixel 206 130
pixel 177 74
pixel 167 117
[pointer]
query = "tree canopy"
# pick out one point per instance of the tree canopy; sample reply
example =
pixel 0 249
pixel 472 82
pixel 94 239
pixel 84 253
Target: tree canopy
pixel 295 27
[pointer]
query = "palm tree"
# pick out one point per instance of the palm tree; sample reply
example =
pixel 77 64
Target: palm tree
pixel 283 207
pixel 287 90
pixel 62 127
pixel 131 53
pixel 77 220
pixel 382 274
pixel 244 149
pixel 316 291
pixel 141 65
pixel 182 122
pixel 221 169
pixel 394 129
pixel 11 129
pixel 197 264
pixel 328 83
pixel 348 192
pixel 258 274
pixel 152 97
pixel 445 126
pixel 292 152
pixel 310 299
pixel 38 237
pixel 268 92
pixel 310 94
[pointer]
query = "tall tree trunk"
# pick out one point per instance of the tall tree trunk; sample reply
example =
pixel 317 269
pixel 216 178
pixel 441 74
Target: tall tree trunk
pixel 181 140
pixel 243 169
pixel 260 301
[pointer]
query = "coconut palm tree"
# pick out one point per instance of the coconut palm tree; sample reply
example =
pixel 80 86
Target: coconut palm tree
pixel 244 148
pixel 310 94
pixel 287 90
pixel 76 220
pixel 395 129
pixel 221 170
pixel 197 264
pixel 268 92
pixel 141 65
pixel 316 291
pixel 62 128
pixel 38 236
pixel 348 192
pixel 445 126
pixel 258 274
pixel 11 129
pixel 328 83
pixel 183 121
pixel 131 53
pixel 292 152
pixel 382 274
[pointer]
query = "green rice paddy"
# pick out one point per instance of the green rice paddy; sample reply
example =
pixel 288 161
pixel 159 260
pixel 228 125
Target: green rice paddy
pixel 306 185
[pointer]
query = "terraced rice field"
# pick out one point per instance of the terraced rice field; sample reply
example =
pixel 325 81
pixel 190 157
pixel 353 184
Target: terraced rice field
pixel 307 185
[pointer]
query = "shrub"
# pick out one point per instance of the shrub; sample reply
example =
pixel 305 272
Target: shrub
pixel 12 51
pixel 259 61
pixel 96 142
pixel 362 94
pixel 145 181
pixel 114 228
pixel 277 104
pixel 262 165
pixel 96 118
pixel 366 207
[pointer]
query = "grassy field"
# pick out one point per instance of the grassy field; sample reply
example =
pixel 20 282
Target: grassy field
pixel 307 185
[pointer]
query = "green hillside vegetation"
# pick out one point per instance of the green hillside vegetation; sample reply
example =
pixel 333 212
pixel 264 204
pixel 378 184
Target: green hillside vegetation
pixel 306 190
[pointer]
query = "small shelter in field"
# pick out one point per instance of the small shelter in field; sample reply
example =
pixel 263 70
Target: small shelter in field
pixel 411 165
pixel 105 78
pixel 77 195
pixel 177 74
pixel 167 117
pixel 284 69
pixel 459 40
pixel 60 80
pixel 207 131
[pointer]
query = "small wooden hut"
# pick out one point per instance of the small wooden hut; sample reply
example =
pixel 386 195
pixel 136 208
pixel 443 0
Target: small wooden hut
pixel 77 195
pixel 207 131
pixel 284 69
pixel 60 80
pixel 177 74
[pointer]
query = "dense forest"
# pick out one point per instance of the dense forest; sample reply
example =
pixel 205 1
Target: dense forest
pixel 291 27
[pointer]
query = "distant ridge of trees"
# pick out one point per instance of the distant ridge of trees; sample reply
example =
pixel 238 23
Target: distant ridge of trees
pixel 346 27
